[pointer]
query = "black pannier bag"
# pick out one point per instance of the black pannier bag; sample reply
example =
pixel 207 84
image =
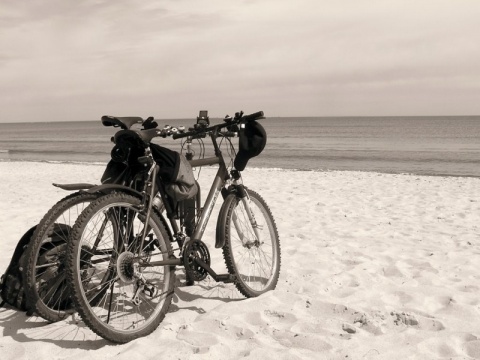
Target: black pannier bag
pixel 252 140
pixel 52 280
pixel 124 157
pixel 175 172
pixel 12 291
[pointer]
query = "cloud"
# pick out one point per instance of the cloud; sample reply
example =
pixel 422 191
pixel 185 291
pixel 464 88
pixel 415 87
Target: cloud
pixel 309 57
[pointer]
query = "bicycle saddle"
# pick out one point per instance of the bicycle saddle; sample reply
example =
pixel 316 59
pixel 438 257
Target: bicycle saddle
pixel 122 122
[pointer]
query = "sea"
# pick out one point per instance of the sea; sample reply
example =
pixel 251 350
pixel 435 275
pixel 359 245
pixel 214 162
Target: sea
pixel 426 145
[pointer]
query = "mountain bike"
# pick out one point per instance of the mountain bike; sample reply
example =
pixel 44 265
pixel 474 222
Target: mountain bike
pixel 44 274
pixel 120 260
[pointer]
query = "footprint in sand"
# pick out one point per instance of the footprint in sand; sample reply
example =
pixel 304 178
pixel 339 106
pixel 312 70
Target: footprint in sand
pixel 196 338
pixel 291 252
pixel 472 349
pixel 458 346
pixel 15 351
pixel 274 316
pixel 311 342
pixel 346 321
pixel 392 271
pixel 415 320
pixel 206 333
pixel 404 318
pixel 469 288
pixel 397 298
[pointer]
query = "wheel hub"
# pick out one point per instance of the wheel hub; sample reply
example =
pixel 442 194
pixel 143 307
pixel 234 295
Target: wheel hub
pixel 250 244
pixel 125 267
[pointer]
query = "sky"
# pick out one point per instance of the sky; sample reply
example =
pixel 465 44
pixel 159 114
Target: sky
pixel 78 60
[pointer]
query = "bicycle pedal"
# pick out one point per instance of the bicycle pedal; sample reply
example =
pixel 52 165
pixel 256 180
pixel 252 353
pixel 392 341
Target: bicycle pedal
pixel 189 283
pixel 150 290
pixel 225 278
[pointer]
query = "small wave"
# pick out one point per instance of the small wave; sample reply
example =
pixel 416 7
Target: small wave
pixel 57 152
pixel 2 151
pixel 96 163
pixel 57 162
pixel 260 168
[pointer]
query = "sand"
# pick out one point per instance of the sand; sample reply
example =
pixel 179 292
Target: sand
pixel 374 266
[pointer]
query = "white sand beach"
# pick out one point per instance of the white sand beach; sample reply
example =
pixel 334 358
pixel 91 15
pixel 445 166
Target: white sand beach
pixel 374 266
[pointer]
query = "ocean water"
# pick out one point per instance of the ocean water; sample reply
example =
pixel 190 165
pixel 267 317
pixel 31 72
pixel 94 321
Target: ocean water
pixel 421 145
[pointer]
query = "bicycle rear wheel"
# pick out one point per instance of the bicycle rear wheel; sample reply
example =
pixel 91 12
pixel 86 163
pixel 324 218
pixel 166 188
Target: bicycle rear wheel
pixel 117 290
pixel 252 246
pixel 44 276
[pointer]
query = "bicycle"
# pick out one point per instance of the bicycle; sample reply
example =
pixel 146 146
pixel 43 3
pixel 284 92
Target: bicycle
pixel 121 265
pixel 43 277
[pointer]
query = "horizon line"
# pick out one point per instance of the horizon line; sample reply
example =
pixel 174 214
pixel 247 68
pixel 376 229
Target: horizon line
pixel 266 117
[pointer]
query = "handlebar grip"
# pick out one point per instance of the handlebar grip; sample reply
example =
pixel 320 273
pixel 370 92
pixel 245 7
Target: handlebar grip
pixel 254 116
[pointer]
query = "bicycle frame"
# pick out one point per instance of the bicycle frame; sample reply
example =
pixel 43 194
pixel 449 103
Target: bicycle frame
pixel 218 185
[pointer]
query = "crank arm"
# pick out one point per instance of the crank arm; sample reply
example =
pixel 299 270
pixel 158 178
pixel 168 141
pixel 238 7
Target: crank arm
pixel 226 278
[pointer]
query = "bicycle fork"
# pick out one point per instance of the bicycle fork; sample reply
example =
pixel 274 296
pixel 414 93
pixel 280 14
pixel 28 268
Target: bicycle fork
pixel 245 199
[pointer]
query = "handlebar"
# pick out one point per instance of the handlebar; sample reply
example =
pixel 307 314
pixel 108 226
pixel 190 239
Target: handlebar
pixel 235 121
pixel 255 116
pixel 150 130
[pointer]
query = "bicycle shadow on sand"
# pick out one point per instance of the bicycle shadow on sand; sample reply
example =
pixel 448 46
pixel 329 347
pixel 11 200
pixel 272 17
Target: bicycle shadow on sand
pixel 72 333
pixel 206 293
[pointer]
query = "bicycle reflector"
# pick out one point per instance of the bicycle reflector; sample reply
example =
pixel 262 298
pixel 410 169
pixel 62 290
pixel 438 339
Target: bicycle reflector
pixel 252 140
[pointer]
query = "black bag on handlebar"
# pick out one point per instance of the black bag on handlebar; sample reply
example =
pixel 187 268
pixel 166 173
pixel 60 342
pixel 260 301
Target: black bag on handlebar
pixel 175 173
pixel 252 140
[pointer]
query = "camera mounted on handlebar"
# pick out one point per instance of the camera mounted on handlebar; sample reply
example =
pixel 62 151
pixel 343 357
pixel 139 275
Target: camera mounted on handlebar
pixel 203 121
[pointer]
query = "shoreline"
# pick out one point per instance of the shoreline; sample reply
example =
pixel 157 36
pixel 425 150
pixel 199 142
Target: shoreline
pixel 253 168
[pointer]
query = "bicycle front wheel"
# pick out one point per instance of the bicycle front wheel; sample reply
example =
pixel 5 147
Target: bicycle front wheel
pixel 118 290
pixel 252 246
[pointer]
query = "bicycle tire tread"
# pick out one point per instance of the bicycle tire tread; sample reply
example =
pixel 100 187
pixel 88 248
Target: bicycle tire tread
pixel 225 217
pixel 32 298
